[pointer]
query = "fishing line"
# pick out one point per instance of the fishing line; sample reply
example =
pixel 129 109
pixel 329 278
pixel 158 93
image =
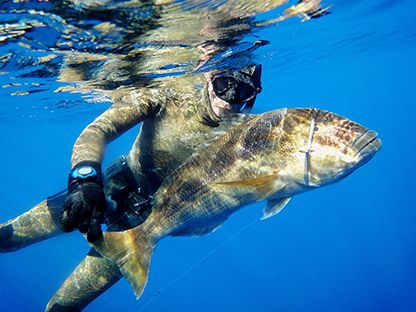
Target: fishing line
pixel 198 262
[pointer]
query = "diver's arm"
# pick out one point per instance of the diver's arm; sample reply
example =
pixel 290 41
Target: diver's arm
pixel 115 121
pixel 85 204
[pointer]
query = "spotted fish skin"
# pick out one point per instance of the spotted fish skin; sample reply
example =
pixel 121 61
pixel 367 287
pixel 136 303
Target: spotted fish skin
pixel 261 158
pixel 270 156
pixel 197 195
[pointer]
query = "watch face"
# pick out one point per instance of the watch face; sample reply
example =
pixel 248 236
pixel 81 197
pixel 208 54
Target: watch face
pixel 85 170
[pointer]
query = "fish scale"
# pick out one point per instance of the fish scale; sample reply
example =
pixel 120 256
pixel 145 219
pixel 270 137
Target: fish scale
pixel 211 199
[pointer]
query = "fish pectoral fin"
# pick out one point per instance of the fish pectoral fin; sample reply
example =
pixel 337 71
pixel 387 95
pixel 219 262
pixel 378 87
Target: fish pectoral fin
pixel 261 181
pixel 131 253
pixel 274 206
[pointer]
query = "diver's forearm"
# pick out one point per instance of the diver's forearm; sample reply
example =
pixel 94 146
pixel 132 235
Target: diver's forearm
pixel 90 145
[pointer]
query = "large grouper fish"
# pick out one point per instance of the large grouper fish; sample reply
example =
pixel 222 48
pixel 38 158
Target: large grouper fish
pixel 271 156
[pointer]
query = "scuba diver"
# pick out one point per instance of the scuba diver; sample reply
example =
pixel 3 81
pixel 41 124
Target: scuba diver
pixel 176 119
pixel 178 114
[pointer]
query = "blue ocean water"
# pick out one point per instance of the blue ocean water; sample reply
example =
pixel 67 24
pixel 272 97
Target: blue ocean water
pixel 350 246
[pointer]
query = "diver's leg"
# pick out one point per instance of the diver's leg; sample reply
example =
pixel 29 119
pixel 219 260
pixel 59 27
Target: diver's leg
pixel 37 224
pixel 93 276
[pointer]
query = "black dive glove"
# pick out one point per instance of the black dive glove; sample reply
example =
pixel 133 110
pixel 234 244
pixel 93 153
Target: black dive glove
pixel 84 206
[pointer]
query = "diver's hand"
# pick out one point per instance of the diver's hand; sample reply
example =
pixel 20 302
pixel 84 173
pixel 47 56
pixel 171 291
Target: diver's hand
pixel 84 206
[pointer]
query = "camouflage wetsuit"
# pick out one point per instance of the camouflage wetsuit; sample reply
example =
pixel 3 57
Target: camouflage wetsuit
pixel 173 129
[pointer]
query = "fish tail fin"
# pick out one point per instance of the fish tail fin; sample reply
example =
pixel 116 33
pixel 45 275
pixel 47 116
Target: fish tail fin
pixel 132 252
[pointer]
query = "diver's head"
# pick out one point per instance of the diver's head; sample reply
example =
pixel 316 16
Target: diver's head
pixel 324 147
pixel 230 91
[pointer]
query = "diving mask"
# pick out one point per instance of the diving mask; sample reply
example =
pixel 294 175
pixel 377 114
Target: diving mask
pixel 239 87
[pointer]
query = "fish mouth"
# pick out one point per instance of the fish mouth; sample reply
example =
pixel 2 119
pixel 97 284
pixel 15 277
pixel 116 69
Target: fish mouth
pixel 366 146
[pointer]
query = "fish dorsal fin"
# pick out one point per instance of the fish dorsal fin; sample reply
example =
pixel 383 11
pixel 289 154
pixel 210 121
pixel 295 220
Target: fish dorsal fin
pixel 261 181
pixel 233 120
pixel 274 206
pixel 199 231
pixel 227 122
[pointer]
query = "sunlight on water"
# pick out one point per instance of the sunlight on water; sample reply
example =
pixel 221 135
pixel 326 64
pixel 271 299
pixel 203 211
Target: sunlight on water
pixel 92 46
pixel 99 46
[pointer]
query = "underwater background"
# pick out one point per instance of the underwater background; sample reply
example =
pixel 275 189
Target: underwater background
pixel 350 246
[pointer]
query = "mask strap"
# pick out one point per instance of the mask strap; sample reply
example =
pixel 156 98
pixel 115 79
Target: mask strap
pixel 249 106
pixel 256 76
